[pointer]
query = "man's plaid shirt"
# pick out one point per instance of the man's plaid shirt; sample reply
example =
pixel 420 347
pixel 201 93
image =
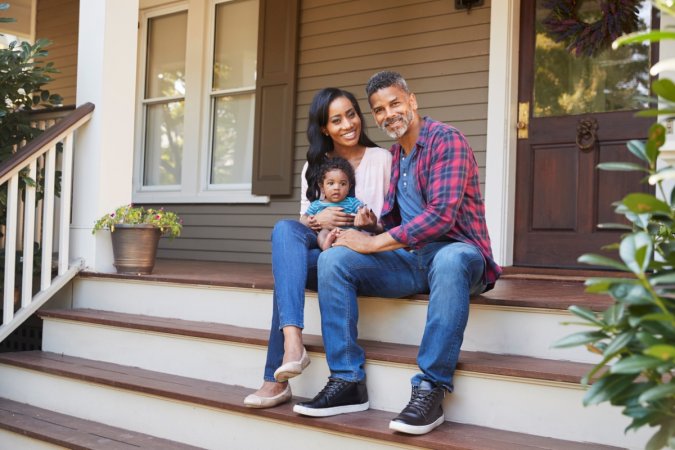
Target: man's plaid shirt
pixel 446 174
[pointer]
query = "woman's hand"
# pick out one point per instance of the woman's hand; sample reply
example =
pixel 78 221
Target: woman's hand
pixel 329 218
pixel 365 219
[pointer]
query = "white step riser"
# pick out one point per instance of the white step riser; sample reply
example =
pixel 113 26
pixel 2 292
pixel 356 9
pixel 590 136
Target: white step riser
pixel 499 402
pixel 493 329
pixel 179 421
pixel 9 440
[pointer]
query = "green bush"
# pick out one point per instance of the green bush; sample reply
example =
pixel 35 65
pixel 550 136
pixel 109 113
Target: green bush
pixel 636 335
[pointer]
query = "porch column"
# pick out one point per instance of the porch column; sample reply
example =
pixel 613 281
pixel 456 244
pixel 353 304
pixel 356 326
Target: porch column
pixel 667 51
pixel 500 170
pixel 106 77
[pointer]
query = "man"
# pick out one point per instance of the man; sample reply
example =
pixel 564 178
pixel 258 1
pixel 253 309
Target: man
pixel 436 241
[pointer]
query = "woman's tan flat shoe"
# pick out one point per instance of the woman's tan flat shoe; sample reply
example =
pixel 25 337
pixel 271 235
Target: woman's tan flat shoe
pixel 255 401
pixel 293 368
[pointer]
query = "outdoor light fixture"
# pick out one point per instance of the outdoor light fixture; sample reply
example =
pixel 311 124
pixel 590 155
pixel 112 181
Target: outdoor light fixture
pixel 468 4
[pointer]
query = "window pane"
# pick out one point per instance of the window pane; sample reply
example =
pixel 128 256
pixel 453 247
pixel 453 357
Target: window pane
pixel 166 56
pixel 163 144
pixel 236 44
pixel 568 84
pixel 232 140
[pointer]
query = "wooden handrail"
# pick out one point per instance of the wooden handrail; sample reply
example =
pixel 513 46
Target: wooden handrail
pixel 45 140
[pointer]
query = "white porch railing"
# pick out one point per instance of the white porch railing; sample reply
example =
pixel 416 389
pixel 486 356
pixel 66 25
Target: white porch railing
pixel 21 233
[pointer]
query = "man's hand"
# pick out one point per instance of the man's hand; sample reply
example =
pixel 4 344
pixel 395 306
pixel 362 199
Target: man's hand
pixel 353 239
pixel 365 243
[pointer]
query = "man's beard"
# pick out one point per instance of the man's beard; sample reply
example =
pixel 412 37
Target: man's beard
pixel 403 126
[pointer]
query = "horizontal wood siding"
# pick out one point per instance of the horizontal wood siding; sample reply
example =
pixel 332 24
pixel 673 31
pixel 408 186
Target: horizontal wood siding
pixel 58 21
pixel 443 53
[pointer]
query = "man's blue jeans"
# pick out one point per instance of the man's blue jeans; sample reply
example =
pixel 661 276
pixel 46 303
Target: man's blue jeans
pixel 294 256
pixel 449 271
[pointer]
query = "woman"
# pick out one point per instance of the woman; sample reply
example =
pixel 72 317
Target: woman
pixel 335 128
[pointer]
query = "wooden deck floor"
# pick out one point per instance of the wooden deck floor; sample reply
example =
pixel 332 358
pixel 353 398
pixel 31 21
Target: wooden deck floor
pixel 533 289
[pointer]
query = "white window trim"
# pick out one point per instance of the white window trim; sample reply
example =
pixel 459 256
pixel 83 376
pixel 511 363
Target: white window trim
pixel 195 164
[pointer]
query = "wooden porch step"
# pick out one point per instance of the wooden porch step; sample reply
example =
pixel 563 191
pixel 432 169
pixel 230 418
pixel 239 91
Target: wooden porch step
pixel 75 433
pixel 477 362
pixel 513 289
pixel 371 424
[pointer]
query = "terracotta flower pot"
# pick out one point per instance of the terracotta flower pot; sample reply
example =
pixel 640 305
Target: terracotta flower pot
pixel 135 248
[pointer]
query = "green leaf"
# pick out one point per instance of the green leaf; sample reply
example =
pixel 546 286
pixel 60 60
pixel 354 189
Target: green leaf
pixel 659 440
pixel 656 138
pixel 641 36
pixel 599 260
pixel 661 318
pixel 581 338
pixel 641 203
pixel 607 387
pixel 647 339
pixel 664 88
pixel 586 314
pixel 636 251
pixel 652 112
pixel 629 397
pixel 663 351
pixel 666 278
pixel 635 364
pixel 638 149
pixel 631 295
pixel 622 167
pixel 658 392
pixel 614 226
pixel 619 343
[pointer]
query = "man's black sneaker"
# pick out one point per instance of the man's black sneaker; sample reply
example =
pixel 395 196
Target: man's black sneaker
pixel 337 397
pixel 424 411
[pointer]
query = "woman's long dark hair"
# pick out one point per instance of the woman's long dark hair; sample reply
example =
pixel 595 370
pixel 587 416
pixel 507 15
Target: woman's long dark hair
pixel 319 143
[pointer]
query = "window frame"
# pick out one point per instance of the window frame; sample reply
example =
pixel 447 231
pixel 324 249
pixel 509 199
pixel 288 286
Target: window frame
pixel 195 186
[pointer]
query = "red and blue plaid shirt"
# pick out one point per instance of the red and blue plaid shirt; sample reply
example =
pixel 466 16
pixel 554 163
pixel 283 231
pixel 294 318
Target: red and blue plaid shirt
pixel 446 174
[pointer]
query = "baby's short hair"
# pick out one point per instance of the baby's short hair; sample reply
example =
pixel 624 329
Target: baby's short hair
pixel 337 163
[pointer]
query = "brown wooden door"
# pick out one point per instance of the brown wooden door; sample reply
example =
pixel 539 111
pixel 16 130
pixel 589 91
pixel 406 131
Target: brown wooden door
pixel 561 198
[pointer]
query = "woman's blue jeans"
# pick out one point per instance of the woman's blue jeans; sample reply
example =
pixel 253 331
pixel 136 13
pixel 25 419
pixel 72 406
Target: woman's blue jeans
pixel 449 271
pixel 294 257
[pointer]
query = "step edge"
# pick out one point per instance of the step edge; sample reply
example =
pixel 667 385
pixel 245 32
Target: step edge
pixel 335 424
pixel 558 372
pixel 491 298
pixel 77 438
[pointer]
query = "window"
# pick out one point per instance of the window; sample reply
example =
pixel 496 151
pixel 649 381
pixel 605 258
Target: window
pixel 164 100
pixel 233 92
pixel 197 89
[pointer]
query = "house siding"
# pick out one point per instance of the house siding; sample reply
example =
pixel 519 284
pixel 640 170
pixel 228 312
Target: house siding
pixel 57 20
pixel 443 54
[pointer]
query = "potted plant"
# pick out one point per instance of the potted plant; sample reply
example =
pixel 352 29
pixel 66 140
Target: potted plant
pixel 135 233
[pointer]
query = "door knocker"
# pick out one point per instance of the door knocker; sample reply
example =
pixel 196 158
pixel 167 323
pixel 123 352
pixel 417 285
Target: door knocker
pixel 587 133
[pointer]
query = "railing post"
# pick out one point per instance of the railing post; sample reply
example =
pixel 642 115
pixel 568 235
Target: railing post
pixel 10 247
pixel 66 188
pixel 28 238
pixel 48 219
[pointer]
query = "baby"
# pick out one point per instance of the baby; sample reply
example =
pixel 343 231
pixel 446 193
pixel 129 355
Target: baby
pixel 337 178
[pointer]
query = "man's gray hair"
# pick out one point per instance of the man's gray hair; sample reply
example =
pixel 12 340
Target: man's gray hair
pixel 385 79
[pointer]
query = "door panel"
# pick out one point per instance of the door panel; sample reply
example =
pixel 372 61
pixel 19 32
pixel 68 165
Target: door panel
pixel 581 113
